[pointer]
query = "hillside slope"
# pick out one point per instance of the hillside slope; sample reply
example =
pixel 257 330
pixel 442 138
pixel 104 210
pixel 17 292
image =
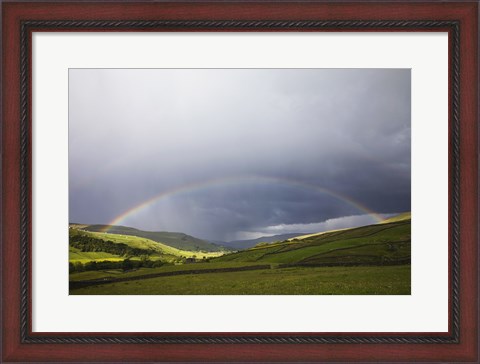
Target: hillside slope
pixel 87 245
pixel 381 244
pixel 175 240
pixel 245 244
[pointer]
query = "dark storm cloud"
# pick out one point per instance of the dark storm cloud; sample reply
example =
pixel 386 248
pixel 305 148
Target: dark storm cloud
pixel 266 139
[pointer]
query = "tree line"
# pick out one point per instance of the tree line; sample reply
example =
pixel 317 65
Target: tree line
pixel 90 244
pixel 125 264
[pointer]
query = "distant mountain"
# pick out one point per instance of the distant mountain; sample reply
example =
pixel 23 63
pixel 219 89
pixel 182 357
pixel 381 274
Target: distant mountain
pixel 177 240
pixel 245 244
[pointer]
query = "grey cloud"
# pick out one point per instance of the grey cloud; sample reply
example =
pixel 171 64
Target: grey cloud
pixel 137 133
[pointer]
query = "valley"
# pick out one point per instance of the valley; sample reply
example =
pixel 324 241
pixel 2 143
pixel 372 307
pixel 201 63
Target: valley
pixel 372 259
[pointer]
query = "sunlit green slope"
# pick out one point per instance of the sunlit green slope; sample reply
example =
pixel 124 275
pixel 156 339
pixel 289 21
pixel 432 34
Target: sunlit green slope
pixel 140 246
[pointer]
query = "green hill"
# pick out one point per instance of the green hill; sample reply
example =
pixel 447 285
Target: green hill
pixel 245 244
pixel 381 244
pixel 176 240
pixel 96 246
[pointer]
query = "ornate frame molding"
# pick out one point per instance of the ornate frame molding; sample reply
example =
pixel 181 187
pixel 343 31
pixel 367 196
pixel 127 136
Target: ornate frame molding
pixel 27 26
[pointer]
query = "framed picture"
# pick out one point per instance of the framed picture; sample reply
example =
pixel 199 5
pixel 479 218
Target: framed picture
pixel 219 181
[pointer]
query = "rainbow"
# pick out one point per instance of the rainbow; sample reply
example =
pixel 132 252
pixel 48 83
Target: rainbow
pixel 238 180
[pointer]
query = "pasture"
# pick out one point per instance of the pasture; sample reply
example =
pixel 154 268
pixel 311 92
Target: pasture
pixel 370 280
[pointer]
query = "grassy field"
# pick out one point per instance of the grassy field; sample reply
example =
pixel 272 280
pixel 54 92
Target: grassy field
pixel 118 273
pixel 384 280
pixel 75 255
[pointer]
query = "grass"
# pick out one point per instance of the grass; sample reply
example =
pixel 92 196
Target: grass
pixel 386 280
pixel 76 255
pixel 301 237
pixel 118 273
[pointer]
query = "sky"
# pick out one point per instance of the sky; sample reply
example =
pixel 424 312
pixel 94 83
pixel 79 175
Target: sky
pixel 229 154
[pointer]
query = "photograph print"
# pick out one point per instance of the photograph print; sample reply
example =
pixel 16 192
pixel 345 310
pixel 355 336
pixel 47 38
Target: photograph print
pixel 239 182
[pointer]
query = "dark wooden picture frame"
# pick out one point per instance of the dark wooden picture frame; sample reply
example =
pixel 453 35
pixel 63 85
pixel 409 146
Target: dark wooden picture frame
pixel 20 19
